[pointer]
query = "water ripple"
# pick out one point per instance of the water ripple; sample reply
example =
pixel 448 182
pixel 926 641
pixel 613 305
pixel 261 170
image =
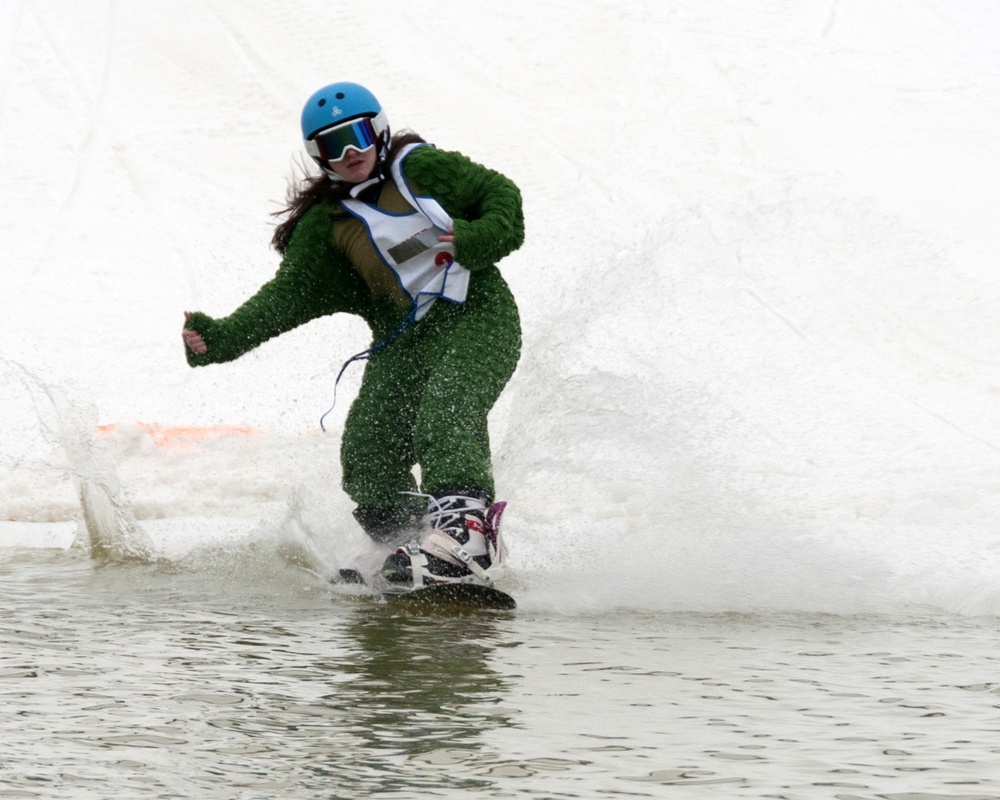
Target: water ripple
pixel 137 681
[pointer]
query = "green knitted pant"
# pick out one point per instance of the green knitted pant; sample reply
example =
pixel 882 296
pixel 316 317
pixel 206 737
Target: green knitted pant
pixel 425 399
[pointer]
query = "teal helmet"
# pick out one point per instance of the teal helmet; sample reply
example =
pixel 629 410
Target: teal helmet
pixel 332 107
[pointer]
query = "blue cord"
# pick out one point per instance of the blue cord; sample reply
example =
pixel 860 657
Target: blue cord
pixel 364 355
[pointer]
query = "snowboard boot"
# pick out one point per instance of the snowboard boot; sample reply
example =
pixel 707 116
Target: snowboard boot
pixel 387 528
pixel 460 543
pixel 387 525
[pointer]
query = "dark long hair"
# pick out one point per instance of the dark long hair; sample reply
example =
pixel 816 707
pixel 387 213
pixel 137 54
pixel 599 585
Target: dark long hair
pixel 313 189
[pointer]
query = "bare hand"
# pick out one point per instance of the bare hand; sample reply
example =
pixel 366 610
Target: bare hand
pixel 448 238
pixel 195 343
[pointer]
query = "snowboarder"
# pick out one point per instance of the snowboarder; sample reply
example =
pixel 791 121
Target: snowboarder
pixel 407 237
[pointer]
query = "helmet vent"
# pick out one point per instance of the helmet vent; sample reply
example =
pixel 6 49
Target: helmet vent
pixel 322 102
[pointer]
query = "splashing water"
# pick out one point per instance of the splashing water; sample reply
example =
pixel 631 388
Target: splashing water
pixel 108 529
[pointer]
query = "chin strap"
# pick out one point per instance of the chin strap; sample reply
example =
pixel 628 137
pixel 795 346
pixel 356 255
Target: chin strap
pixel 359 189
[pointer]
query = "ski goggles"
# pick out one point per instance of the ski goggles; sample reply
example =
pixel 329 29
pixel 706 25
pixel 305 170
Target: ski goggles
pixel 332 144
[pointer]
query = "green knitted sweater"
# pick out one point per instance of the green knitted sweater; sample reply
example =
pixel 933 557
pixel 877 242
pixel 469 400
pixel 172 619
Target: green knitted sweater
pixel 315 278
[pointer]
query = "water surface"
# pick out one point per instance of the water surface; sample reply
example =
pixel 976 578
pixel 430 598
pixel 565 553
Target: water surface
pixel 235 678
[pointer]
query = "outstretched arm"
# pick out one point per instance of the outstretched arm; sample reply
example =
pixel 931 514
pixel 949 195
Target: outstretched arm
pixel 314 279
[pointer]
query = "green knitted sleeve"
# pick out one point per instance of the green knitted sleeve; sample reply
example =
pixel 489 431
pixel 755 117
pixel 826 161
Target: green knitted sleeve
pixel 314 279
pixel 485 205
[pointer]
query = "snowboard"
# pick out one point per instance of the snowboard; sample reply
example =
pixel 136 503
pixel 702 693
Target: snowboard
pixel 452 595
pixel 440 596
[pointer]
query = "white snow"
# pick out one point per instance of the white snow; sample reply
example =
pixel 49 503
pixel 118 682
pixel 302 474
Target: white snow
pixel 759 289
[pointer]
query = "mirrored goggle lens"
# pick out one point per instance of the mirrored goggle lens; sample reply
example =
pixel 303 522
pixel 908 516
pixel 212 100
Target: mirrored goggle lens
pixel 331 145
